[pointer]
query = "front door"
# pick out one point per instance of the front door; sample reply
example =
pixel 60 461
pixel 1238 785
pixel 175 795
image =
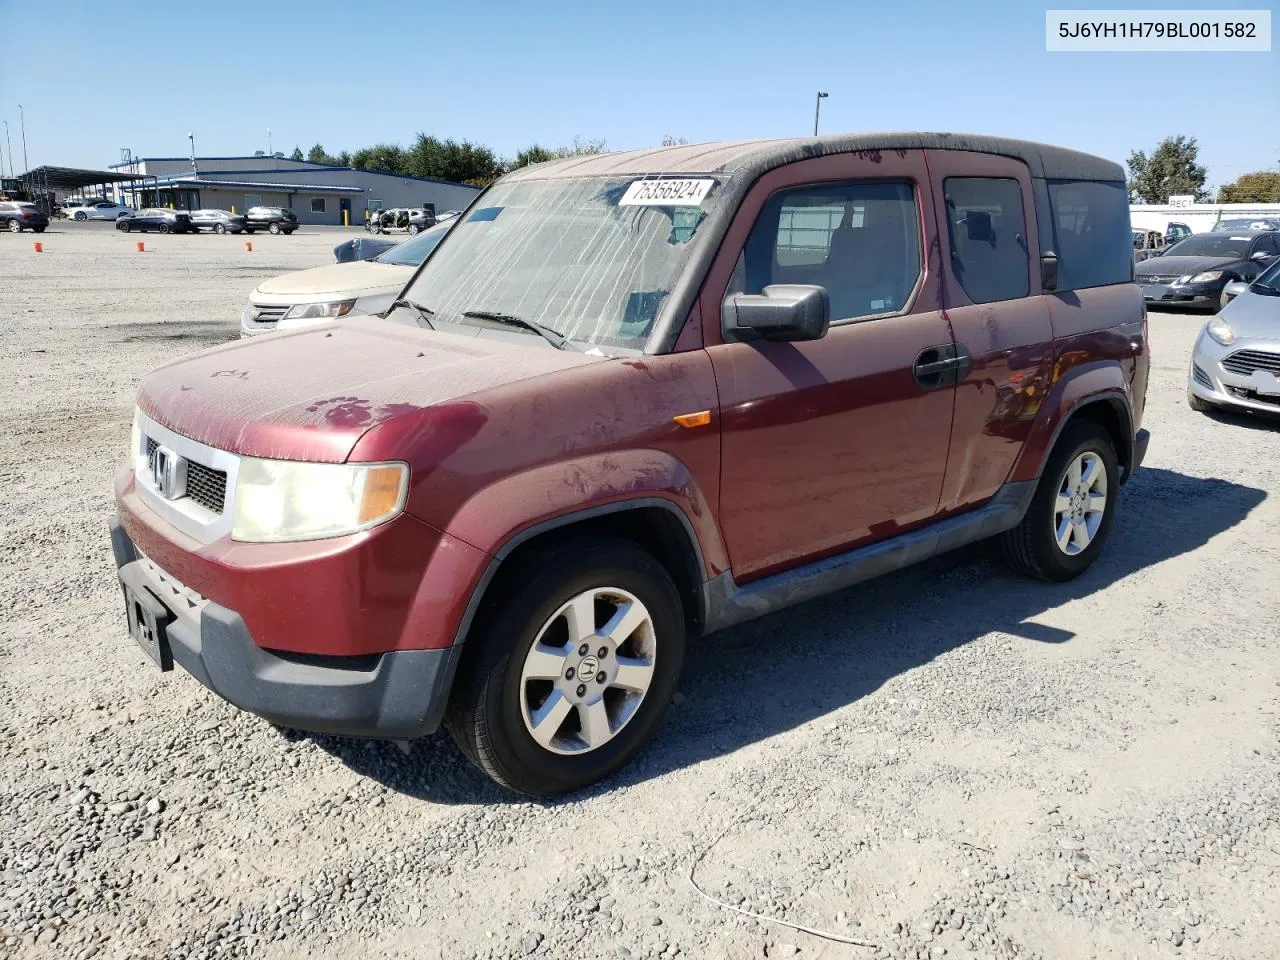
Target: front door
pixel 831 443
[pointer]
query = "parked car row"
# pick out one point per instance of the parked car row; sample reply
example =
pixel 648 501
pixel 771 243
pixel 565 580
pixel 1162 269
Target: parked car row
pixel 1195 272
pixel 165 220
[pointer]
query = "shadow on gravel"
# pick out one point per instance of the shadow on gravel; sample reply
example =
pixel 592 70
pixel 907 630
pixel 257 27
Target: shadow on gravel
pixel 203 332
pixel 753 681
pixel 1249 421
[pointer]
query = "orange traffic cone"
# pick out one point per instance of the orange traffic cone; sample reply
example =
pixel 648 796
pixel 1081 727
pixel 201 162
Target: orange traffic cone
pixel 38 247
pixel 141 246
pixel 248 247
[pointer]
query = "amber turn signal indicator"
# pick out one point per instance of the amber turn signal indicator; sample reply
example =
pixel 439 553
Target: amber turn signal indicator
pixel 699 419
pixel 381 492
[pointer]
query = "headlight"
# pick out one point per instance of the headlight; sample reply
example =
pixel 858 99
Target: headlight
pixel 1220 330
pixel 320 311
pixel 1207 277
pixel 279 500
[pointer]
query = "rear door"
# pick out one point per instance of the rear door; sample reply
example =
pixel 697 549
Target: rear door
pixel 834 442
pixel 991 283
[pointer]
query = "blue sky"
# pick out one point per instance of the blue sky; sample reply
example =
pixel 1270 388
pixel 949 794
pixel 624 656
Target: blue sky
pixel 97 77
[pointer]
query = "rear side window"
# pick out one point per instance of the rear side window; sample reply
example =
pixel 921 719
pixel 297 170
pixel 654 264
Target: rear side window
pixel 861 241
pixel 1091 220
pixel 988 237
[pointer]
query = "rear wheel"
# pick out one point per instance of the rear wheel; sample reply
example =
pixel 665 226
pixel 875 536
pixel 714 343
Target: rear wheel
pixel 274 228
pixel 79 215
pixel 219 228
pixel 414 229
pixel 1073 507
pixel 568 677
pixel 15 226
pixel 38 229
pixel 124 225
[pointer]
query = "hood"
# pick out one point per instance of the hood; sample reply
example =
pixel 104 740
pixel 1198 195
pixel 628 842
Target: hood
pixel 1254 316
pixel 311 394
pixel 1180 266
pixel 349 279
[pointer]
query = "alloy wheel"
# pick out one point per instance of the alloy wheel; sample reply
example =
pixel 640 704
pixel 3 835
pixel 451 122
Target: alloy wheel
pixel 588 671
pixel 1081 503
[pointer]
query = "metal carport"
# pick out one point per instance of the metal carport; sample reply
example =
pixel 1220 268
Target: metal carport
pixel 39 184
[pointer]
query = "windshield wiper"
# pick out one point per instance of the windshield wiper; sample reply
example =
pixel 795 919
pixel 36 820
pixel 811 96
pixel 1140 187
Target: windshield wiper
pixel 424 314
pixel 553 337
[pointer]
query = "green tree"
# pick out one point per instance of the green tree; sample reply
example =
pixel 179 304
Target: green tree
pixel 460 161
pixel 343 159
pixel 531 154
pixel 1260 187
pixel 672 141
pixel 535 153
pixel 382 158
pixel 317 155
pixel 1170 170
pixel 297 154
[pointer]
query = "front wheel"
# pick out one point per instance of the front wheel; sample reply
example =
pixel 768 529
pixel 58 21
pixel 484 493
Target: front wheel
pixel 1073 507
pixel 15 226
pixel 274 228
pixel 124 225
pixel 164 228
pixel 414 229
pixel 80 215
pixel 566 679
pixel 219 228
pixel 38 229
pixel 1198 405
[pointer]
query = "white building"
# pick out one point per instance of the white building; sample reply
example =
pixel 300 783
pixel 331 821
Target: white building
pixel 316 192
pixel 1200 217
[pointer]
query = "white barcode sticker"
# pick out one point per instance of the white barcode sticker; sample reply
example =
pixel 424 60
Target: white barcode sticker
pixel 666 193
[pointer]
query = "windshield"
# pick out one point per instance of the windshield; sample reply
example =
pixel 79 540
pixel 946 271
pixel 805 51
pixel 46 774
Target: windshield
pixel 1208 245
pixel 413 251
pixel 593 259
pixel 1269 278
pixel 1244 225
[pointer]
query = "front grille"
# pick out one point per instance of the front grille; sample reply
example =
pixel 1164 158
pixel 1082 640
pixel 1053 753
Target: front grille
pixel 267 315
pixel 1151 278
pixel 206 486
pixel 1200 376
pixel 1244 362
pixel 1253 395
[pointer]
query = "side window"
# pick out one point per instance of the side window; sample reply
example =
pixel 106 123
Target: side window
pixel 861 241
pixel 1090 219
pixel 317 204
pixel 1267 244
pixel 988 237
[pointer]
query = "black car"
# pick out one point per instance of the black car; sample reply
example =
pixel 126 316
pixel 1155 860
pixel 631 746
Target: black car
pixel 16 216
pixel 219 221
pixel 1192 272
pixel 271 219
pixel 158 219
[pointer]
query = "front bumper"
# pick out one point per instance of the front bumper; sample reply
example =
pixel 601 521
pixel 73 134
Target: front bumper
pixel 1213 383
pixel 1182 295
pixel 395 695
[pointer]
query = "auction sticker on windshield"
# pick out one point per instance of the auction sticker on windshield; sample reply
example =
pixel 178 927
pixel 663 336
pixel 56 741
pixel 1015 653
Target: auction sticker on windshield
pixel 666 193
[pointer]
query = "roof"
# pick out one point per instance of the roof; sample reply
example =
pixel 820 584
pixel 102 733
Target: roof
pixel 754 157
pixel 256 156
pixel 73 178
pixel 259 184
pixel 312 164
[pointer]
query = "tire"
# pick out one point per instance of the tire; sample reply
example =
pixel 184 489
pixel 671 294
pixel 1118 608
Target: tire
pixel 38 229
pixel 274 228
pixel 164 228
pixel 124 225
pixel 493 702
pixel 80 215
pixel 219 228
pixel 1033 547
pixel 15 226
pixel 1198 405
pixel 414 229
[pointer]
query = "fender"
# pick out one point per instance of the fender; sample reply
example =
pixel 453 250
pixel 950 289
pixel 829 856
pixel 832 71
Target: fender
pixel 502 516
pixel 1080 385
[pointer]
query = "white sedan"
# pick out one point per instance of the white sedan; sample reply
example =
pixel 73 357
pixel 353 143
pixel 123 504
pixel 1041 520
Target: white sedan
pixel 308 297
pixel 100 210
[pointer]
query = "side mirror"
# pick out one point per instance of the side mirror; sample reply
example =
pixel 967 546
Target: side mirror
pixel 1049 270
pixel 1261 255
pixel 783 311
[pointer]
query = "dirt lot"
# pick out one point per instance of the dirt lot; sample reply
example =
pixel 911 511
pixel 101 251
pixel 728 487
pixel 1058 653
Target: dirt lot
pixel 949 762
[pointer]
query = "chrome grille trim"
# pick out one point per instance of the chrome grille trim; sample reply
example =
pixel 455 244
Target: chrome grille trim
pixel 205 514
pixel 1244 362
pixel 267 314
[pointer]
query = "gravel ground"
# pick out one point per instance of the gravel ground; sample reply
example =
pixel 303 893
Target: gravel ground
pixel 952 762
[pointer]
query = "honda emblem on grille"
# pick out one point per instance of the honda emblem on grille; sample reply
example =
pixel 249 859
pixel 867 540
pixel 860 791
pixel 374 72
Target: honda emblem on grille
pixel 169 473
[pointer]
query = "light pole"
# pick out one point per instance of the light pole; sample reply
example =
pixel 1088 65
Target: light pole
pixel 268 141
pixel 22 120
pixel 817 108
pixel 194 167
pixel 12 172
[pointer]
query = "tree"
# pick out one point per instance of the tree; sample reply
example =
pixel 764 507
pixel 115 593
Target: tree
pixel 343 159
pixel 672 141
pixel 1260 187
pixel 317 155
pixel 462 162
pixel 297 154
pixel 536 153
pixel 381 158
pixel 1170 170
